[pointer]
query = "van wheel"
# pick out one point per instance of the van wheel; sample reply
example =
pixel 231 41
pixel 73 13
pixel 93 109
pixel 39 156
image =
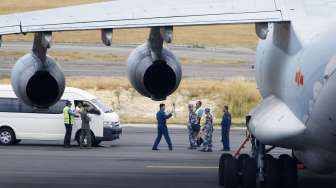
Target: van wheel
pixel 7 136
pixel 94 141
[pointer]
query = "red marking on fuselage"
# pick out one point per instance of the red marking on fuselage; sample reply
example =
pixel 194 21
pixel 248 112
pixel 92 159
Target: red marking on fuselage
pixel 299 78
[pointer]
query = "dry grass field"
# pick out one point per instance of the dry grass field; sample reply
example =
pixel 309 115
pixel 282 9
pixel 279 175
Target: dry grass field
pixel 240 95
pixel 107 57
pixel 221 36
pixel 10 6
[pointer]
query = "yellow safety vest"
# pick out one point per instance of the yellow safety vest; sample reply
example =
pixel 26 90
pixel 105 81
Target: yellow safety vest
pixel 203 120
pixel 68 119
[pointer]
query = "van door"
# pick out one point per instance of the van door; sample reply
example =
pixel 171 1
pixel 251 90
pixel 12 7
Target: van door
pixel 97 118
pixel 44 124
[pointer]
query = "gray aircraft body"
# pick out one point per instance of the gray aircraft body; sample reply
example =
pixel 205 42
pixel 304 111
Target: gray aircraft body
pixel 295 70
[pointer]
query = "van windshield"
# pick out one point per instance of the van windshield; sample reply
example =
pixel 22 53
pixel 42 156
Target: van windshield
pixel 102 106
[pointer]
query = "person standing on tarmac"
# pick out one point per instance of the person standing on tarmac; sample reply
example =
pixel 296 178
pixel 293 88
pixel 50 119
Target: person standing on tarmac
pixel 69 115
pixel 191 127
pixel 85 129
pixel 226 125
pixel 199 114
pixel 162 117
pixel 207 132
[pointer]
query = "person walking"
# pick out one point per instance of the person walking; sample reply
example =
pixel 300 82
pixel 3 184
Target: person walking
pixel 207 132
pixel 191 127
pixel 85 129
pixel 226 125
pixel 162 117
pixel 69 115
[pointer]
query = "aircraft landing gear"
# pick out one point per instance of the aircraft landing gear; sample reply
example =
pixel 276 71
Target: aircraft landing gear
pixel 260 170
pixel 288 171
pixel 239 172
pixel 228 171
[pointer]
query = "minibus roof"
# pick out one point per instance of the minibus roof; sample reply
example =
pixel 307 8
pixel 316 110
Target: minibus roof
pixel 84 94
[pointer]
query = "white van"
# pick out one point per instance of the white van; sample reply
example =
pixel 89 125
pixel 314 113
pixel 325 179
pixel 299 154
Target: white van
pixel 22 122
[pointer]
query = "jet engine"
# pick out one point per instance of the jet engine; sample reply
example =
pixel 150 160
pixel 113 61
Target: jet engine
pixel 152 78
pixel 38 84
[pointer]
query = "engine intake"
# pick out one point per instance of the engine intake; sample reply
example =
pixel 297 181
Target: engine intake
pixel 155 79
pixel 38 84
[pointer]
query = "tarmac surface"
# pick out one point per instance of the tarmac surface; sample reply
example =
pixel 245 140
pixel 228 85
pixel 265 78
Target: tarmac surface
pixel 128 162
pixel 119 69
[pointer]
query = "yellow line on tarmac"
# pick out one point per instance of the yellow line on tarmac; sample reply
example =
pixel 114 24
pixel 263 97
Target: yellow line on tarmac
pixel 183 167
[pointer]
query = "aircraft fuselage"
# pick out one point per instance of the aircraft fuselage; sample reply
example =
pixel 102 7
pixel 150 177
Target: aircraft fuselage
pixel 296 64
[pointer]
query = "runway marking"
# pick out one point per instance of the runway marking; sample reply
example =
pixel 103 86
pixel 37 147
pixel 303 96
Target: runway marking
pixel 183 167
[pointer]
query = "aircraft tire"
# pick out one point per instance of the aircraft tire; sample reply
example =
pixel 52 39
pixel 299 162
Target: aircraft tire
pixel 222 167
pixel 230 173
pixel 288 172
pixel 249 173
pixel 272 175
pixel 268 156
pixel 241 160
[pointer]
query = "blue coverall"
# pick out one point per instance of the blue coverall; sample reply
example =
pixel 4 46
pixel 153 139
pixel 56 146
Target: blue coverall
pixel 226 125
pixel 162 117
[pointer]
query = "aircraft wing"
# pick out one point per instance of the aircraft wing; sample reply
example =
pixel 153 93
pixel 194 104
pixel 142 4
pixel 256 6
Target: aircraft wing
pixel 143 13
pixel 9 25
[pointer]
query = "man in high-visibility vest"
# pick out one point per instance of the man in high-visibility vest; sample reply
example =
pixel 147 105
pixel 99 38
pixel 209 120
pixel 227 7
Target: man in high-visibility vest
pixel 69 115
pixel 203 120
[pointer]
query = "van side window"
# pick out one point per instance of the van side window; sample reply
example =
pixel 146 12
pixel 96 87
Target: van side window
pixel 58 107
pixel 14 105
pixel 93 109
pixel 55 109
pixel 9 105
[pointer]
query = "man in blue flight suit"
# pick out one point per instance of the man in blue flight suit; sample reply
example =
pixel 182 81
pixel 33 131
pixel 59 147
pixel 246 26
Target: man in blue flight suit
pixel 162 117
pixel 226 125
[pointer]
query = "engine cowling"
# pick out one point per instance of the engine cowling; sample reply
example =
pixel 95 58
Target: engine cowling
pixel 155 79
pixel 38 84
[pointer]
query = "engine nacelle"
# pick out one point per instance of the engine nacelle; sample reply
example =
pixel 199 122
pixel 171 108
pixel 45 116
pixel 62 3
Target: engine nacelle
pixel 155 79
pixel 38 84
